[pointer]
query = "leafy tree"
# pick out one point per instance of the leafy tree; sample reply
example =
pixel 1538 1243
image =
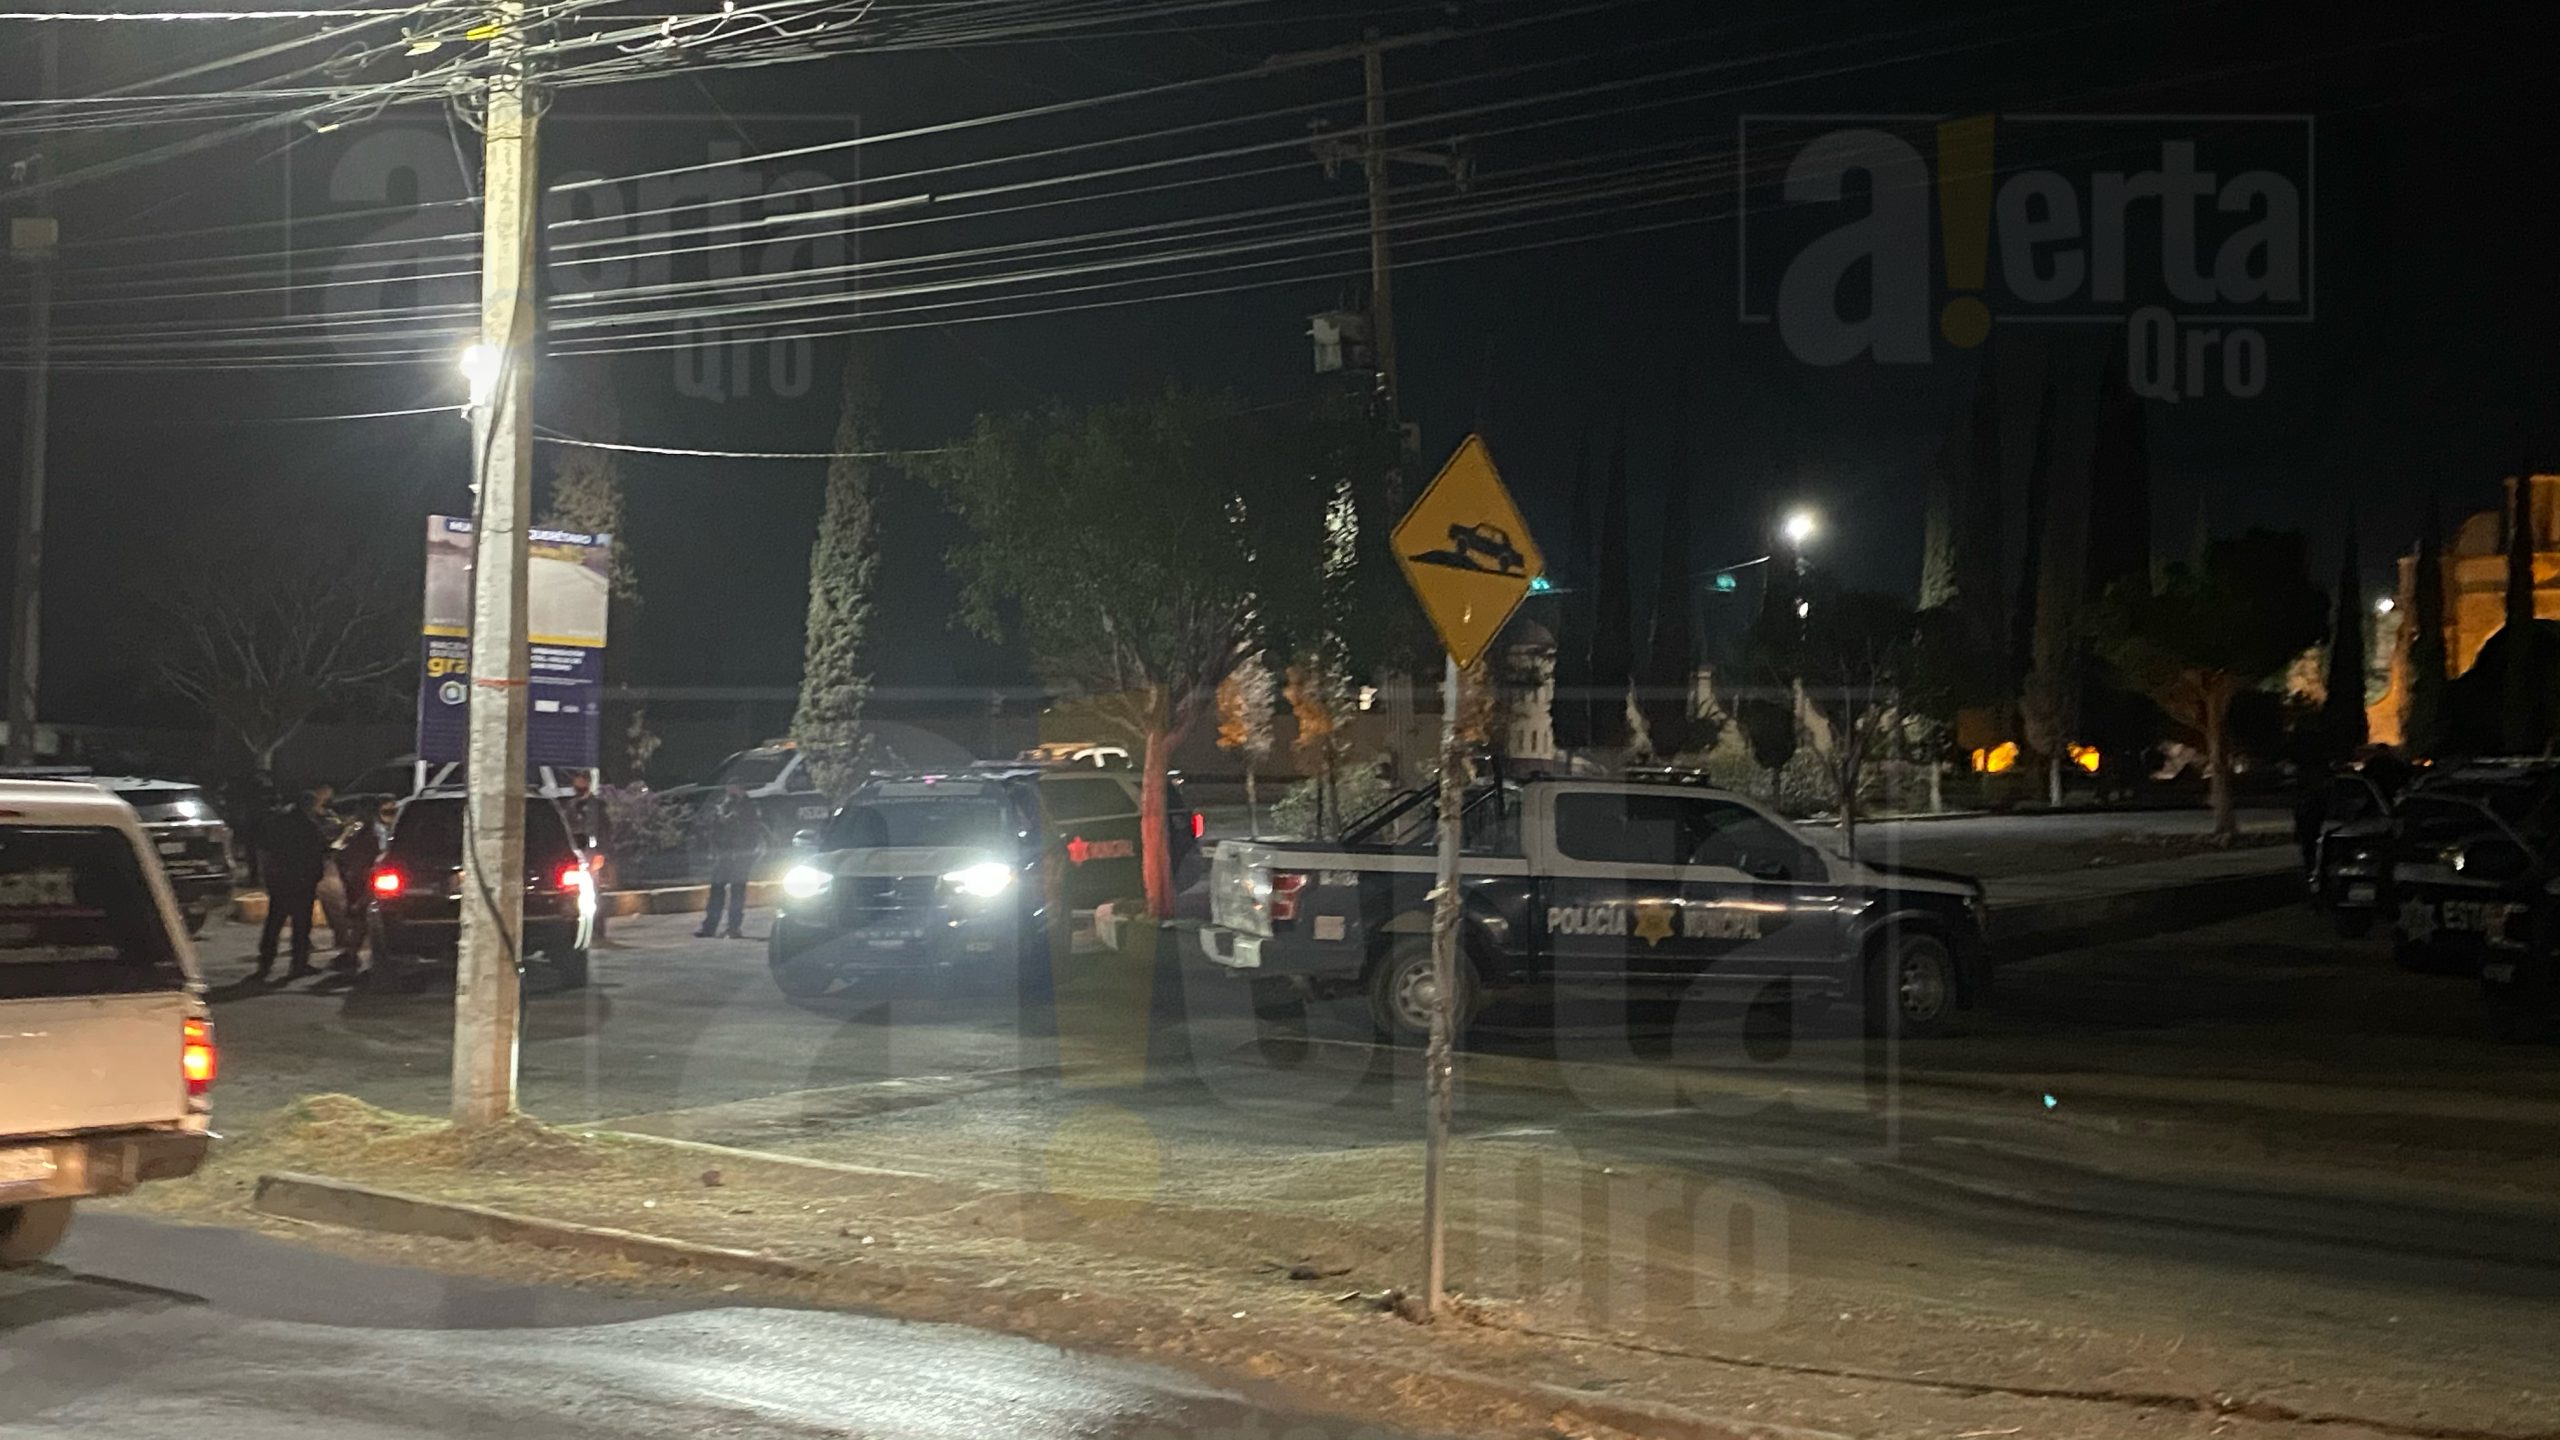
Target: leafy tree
pixel 266 645
pixel 1245 701
pixel 2342 707
pixel 2210 633
pixel 1665 693
pixel 2424 732
pixel 1107 541
pixel 844 564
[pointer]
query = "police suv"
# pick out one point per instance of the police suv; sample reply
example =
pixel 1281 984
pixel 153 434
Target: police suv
pixel 1635 884
pixel 960 878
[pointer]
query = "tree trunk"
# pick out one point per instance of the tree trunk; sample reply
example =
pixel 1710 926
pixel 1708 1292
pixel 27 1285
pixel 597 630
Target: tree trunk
pixel 1155 854
pixel 1937 787
pixel 2053 782
pixel 1252 803
pixel 2217 759
pixel 1849 808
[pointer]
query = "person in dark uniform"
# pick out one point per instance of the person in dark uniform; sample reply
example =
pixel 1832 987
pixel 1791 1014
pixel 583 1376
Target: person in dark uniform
pixel 356 856
pixel 591 826
pixel 293 850
pixel 734 835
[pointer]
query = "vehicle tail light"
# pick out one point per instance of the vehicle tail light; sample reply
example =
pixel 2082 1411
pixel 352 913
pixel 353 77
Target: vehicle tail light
pixel 1285 885
pixel 573 875
pixel 1199 825
pixel 196 1058
pixel 387 883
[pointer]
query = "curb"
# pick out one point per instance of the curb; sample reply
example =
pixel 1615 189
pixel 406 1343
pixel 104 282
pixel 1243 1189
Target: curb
pixel 322 1201
pixel 319 1200
pixel 249 907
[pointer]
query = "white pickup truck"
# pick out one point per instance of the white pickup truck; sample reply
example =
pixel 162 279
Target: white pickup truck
pixel 106 1049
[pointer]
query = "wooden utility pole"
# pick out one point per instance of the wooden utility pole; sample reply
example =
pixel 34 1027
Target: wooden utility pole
pixel 487 990
pixel 32 238
pixel 1375 157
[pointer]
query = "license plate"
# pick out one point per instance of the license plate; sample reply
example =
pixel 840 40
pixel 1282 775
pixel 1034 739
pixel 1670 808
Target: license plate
pixel 25 1166
pixel 172 848
pixel 886 942
pixel 2359 894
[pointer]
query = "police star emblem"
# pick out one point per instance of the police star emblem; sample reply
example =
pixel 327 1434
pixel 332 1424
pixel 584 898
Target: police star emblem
pixel 1653 921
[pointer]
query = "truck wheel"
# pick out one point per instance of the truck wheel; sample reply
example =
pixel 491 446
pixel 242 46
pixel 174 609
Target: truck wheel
pixel 1401 994
pixel 29 1232
pixel 1911 986
pixel 797 978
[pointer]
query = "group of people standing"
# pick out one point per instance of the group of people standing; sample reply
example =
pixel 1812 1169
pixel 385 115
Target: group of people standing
pixel 310 856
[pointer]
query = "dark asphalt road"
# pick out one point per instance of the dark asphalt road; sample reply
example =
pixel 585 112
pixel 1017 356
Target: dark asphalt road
pixel 151 1330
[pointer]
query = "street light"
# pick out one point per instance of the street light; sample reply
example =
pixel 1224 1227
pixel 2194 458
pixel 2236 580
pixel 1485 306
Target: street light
pixel 1799 528
pixel 2385 605
pixel 480 364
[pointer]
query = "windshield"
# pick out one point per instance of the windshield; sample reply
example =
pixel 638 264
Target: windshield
pixel 429 832
pixel 881 824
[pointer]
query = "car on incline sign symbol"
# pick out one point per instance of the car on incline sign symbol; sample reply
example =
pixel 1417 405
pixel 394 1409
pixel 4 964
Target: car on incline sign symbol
pixel 1467 553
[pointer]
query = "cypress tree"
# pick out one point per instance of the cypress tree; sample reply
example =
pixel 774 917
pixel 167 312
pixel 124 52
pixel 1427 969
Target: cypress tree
pixel 844 564
pixel 2425 732
pixel 2342 710
pixel 1613 603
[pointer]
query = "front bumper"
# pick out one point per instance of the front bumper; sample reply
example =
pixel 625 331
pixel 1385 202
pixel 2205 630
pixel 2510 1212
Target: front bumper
pixel 912 944
pixel 77 1167
pixel 205 891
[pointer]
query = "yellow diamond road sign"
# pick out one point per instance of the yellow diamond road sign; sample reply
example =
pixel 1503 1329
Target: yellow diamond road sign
pixel 1467 553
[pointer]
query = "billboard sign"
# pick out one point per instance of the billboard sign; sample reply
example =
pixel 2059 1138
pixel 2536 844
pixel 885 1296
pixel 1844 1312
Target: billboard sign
pixel 568 593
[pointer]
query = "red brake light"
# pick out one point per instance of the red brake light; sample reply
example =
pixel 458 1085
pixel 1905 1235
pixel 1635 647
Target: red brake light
pixel 1199 825
pixel 1285 886
pixel 573 874
pixel 387 883
pixel 196 1058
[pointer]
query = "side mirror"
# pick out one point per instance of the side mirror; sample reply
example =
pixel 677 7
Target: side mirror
pixel 808 839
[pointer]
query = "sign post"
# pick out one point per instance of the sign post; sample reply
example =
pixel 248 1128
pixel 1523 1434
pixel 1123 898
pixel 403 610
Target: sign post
pixel 1468 556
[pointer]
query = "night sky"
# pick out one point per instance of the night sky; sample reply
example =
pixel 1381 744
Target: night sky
pixel 2425 365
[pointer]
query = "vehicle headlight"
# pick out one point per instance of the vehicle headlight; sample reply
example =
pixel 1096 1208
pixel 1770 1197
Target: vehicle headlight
pixel 805 882
pixel 985 881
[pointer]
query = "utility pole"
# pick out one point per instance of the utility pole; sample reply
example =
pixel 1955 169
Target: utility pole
pixel 32 238
pixel 487 991
pixel 1375 157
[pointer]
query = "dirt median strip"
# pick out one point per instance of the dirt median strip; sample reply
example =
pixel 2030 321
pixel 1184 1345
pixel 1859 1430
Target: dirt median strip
pixel 324 1201
pixel 344 1205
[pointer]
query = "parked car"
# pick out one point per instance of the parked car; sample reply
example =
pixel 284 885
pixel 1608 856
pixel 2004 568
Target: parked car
pixel 2473 848
pixel 2349 866
pixel 416 889
pixel 778 783
pixel 961 877
pixel 193 843
pixel 106 1049
pixel 1634 885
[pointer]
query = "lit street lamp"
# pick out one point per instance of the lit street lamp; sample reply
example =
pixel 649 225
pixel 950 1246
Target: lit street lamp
pixel 2385 605
pixel 480 367
pixel 1799 528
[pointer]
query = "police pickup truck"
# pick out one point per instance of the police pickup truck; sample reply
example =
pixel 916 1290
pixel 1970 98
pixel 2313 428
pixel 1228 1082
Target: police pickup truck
pixel 1637 884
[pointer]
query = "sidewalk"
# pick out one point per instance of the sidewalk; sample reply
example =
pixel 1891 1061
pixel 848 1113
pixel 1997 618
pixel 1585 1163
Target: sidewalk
pixel 2036 914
